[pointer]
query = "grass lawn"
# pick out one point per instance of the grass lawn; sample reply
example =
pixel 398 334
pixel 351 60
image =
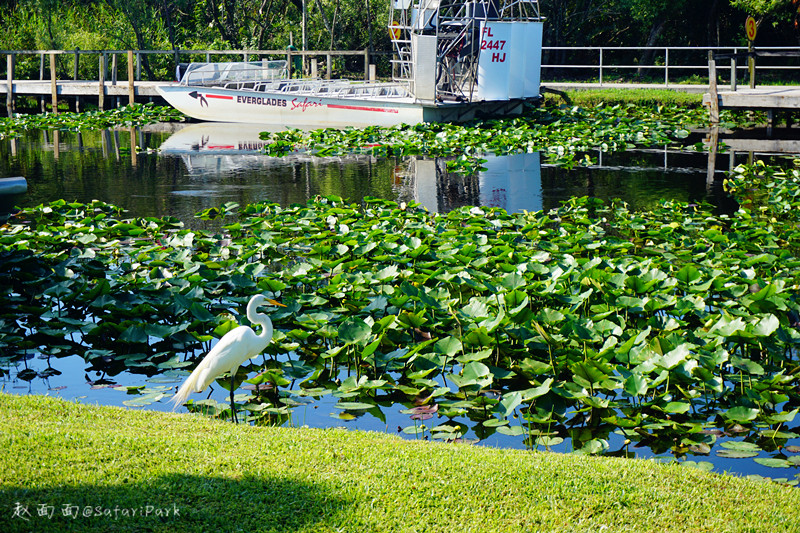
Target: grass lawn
pixel 152 471
pixel 646 97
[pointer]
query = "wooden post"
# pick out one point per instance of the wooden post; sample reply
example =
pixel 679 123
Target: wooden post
pixel 314 67
pixel 41 78
pixel 372 75
pixel 366 64
pixel 733 73
pixel 601 66
pixel 75 74
pixel 101 84
pixel 114 77
pixel 133 146
pixel 115 142
pixel 10 90
pixel 131 85
pixel 713 104
pixel 329 67
pixel 105 142
pixel 713 146
pixel 139 65
pixel 751 64
pixel 56 143
pixel 53 84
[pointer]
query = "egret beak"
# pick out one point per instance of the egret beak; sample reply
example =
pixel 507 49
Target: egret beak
pixel 274 302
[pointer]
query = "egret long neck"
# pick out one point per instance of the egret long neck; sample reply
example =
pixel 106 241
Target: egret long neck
pixel 259 318
pixel 266 326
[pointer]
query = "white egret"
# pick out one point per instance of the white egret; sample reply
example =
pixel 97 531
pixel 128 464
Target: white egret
pixel 233 349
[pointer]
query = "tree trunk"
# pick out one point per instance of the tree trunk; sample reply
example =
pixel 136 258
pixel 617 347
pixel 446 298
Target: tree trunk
pixel 712 37
pixel 333 25
pixel 263 23
pixel 167 6
pixel 369 26
pixel 647 54
pixel 225 23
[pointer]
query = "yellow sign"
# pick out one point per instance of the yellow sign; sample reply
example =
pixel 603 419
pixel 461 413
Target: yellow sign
pixel 750 28
pixel 394 31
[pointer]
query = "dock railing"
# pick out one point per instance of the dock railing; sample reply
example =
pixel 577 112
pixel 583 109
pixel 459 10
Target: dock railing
pixel 752 59
pixel 668 64
pixel 104 66
pixel 667 67
pixel 109 60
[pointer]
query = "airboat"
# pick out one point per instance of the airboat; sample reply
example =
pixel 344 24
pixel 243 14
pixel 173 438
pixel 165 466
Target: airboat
pixel 451 61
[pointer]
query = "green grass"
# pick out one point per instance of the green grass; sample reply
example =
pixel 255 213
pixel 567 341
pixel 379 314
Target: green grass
pixel 647 97
pixel 222 477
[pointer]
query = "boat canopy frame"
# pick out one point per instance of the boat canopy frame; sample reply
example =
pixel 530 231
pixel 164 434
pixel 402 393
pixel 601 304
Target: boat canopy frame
pixel 456 25
pixel 272 77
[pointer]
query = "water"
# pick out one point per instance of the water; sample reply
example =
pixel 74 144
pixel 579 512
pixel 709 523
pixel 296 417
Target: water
pixel 179 170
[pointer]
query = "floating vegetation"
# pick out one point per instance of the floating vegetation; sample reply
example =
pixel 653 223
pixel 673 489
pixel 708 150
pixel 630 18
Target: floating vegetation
pixel 130 115
pixel 673 327
pixel 562 133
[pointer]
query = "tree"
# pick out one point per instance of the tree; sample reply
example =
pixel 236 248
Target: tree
pixel 783 14
pixel 45 11
pixel 763 8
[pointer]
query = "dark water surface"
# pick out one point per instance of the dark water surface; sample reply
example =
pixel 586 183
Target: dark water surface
pixel 180 169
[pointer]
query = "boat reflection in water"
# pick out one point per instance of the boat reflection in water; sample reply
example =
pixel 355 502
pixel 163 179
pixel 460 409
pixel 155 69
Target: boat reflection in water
pixel 213 147
pixel 225 163
pixel 512 182
pixel 213 152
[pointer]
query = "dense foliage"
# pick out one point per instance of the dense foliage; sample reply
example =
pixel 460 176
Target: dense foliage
pixel 130 115
pixel 332 24
pixel 670 326
pixel 562 133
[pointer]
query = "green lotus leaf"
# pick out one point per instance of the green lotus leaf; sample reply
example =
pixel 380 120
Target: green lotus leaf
pixel 512 431
pixel 448 346
pixel 766 326
pixel 747 365
pixel 354 330
pixel 547 441
pixel 508 403
pixel 773 462
pixel 636 385
pixel 353 406
pixel 677 407
pixel 740 414
pixel 741 445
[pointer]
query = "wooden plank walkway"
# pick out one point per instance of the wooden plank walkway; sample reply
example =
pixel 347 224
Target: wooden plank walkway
pixel 591 86
pixel 80 88
pixel 771 99
pixel 774 98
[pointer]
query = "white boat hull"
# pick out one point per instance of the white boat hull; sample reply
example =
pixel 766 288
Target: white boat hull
pixel 227 105
pixel 286 109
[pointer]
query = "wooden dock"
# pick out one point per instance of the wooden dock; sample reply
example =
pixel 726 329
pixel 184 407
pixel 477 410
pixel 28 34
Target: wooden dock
pixel 139 91
pixel 82 88
pixel 769 99
pixel 132 89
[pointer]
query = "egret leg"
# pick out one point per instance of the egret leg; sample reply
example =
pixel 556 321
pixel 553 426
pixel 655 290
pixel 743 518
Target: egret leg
pixel 233 407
